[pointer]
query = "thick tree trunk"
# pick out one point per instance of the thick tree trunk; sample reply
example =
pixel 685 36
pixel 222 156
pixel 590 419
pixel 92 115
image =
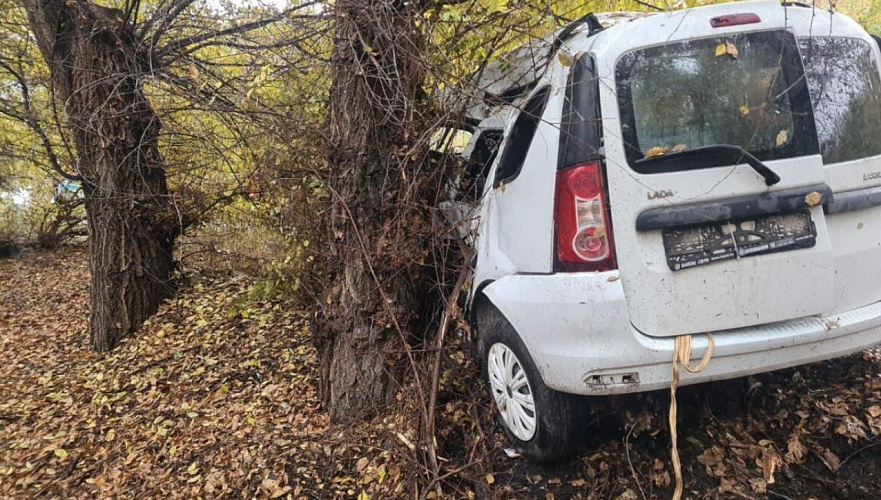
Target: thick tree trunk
pixel 92 54
pixel 376 235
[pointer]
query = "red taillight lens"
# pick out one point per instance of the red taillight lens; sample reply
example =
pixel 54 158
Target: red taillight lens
pixel 734 20
pixel 581 217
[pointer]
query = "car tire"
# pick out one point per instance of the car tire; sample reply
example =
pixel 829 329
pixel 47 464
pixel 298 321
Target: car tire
pixel 552 428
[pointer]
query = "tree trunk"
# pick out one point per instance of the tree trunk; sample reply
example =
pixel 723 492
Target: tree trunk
pixel 376 229
pixel 92 53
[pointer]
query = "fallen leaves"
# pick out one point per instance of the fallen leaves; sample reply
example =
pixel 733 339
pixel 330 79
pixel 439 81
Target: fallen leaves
pixel 230 410
pixel 829 458
pixel 199 403
pixel 727 48
pixel 796 451
pixel 656 151
pixel 662 150
pixel 769 463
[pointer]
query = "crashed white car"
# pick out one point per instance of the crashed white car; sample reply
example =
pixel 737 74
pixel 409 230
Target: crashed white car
pixel 711 170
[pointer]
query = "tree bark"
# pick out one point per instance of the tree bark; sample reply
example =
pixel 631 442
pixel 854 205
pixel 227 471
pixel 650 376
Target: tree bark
pixel 93 56
pixel 376 228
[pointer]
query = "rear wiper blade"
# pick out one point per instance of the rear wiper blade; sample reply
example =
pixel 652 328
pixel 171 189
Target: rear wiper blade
pixel 738 155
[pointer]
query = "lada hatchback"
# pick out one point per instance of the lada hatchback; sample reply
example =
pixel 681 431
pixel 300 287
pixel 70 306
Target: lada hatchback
pixel 711 170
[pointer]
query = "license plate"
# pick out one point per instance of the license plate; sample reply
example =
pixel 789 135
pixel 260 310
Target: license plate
pixel 703 244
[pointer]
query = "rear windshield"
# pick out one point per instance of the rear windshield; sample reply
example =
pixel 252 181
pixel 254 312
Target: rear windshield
pixel 845 87
pixel 745 89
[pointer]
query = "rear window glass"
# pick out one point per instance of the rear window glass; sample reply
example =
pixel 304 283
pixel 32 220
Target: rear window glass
pixel 845 85
pixel 744 89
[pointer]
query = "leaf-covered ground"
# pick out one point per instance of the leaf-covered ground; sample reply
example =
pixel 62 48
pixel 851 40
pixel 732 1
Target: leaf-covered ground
pixel 216 398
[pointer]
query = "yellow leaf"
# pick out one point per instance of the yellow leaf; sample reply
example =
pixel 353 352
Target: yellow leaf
pixel 97 481
pixel 721 49
pixel 744 110
pixel 782 138
pixel 61 453
pixel 656 151
pixel 497 5
pixel 380 475
pixel 812 199
pixel 731 50
pixel 363 496
pixel 192 469
pixel 565 58
pixel 490 479
pixel 110 435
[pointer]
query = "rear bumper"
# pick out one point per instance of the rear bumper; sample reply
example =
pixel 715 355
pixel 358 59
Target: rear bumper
pixel 578 332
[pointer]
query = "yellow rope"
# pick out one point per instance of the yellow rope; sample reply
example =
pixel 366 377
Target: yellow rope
pixel 682 356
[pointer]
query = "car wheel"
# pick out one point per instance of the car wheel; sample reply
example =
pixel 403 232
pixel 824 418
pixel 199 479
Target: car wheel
pixel 544 425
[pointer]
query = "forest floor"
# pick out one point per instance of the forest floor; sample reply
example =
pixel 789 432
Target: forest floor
pixel 216 397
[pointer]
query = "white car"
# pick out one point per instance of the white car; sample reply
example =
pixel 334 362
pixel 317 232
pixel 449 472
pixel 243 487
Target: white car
pixel 710 170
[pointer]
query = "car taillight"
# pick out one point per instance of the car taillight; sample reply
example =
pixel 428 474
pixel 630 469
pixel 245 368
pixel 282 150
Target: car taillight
pixel 734 20
pixel 581 218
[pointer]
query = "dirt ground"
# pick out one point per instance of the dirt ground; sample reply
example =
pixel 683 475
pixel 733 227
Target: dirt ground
pixel 216 398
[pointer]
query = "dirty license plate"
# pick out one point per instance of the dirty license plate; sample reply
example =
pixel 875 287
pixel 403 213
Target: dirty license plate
pixel 703 244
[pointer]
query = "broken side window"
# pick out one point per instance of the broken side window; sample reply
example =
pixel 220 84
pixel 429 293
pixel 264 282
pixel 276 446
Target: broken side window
pixel 482 158
pixel 520 139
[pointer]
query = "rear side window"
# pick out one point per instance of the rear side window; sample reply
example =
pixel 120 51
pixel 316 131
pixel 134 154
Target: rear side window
pixel 845 84
pixel 520 139
pixel 581 130
pixel 743 89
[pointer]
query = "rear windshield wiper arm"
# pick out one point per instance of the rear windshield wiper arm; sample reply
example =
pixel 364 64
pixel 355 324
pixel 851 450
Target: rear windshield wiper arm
pixel 738 155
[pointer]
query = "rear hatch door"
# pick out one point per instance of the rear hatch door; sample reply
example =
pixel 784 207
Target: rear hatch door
pixel 703 242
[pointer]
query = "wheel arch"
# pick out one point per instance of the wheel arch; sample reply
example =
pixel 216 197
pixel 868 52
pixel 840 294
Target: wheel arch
pixel 483 314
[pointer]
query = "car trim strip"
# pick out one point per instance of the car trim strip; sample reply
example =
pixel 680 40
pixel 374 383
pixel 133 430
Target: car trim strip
pixel 851 201
pixel 739 207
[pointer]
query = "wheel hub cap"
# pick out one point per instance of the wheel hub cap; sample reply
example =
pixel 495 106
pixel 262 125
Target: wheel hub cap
pixel 511 391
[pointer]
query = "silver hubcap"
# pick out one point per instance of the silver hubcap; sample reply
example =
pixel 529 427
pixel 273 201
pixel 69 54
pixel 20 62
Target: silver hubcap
pixel 512 392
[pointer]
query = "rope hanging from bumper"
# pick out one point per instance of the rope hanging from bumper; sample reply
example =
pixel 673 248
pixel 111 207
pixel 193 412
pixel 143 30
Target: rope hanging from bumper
pixel 682 356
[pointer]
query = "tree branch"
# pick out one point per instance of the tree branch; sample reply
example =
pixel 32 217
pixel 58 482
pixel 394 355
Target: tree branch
pixel 177 45
pixel 31 121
